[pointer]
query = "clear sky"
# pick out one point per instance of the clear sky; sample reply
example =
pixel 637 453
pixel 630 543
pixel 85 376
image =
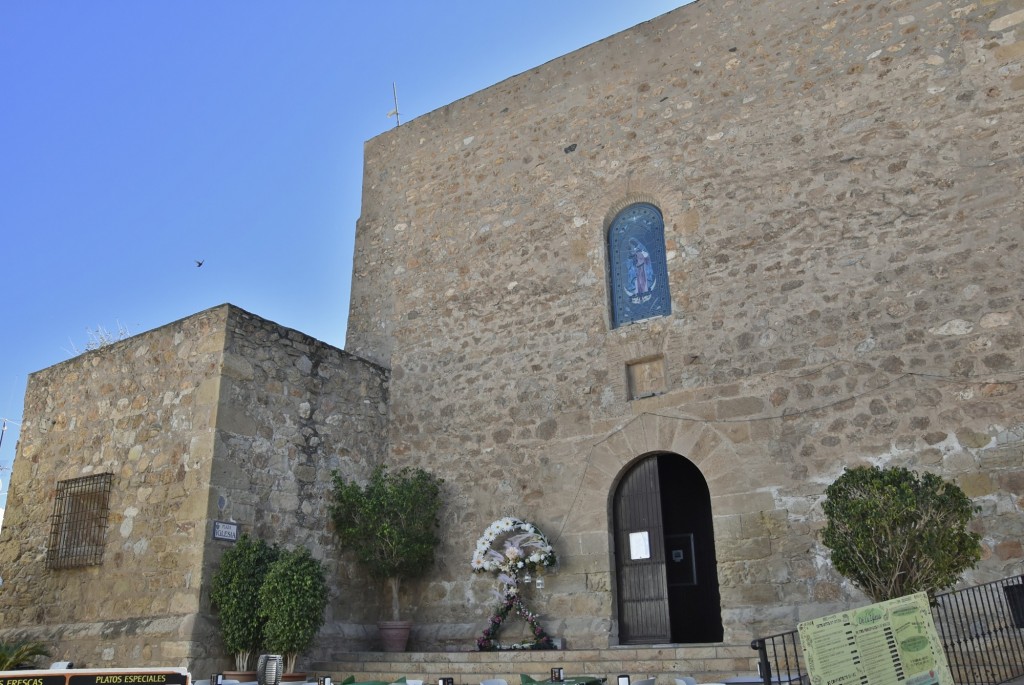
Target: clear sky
pixel 138 137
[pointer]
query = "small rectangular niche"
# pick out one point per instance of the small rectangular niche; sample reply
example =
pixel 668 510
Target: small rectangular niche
pixel 646 377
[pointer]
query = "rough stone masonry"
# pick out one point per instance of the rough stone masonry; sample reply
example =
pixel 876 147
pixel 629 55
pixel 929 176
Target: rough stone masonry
pixel 841 186
pixel 220 416
pixel 840 182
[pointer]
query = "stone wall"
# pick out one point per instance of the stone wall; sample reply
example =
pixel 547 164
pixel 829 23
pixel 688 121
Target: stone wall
pixel 143 409
pixel 292 411
pixel 841 184
pixel 220 416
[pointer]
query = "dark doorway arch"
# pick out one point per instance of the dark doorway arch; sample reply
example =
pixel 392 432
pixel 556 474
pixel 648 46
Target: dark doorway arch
pixel 666 569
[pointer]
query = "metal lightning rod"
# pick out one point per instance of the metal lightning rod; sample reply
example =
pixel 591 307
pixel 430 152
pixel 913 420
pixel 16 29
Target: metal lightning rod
pixel 394 113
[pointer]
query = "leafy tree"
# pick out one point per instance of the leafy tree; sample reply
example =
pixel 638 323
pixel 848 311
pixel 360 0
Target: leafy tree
pixel 21 653
pixel 894 533
pixel 292 600
pixel 235 594
pixel 390 524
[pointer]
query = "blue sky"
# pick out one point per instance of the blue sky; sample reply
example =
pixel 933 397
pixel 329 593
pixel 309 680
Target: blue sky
pixel 137 137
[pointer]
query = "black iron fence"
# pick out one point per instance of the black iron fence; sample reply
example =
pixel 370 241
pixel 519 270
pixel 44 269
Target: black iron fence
pixel 981 628
pixel 780 659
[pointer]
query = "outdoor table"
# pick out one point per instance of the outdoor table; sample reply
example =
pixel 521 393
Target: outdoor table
pixel 352 681
pixel 569 680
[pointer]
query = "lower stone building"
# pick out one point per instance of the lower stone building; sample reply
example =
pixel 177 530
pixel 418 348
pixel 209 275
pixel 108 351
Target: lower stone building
pixel 653 296
pixel 129 455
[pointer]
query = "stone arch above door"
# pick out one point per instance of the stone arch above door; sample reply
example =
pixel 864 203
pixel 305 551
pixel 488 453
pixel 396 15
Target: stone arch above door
pixel 737 492
pixel 699 441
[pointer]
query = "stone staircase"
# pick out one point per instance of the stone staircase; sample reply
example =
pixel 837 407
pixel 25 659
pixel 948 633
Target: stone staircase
pixel 707 663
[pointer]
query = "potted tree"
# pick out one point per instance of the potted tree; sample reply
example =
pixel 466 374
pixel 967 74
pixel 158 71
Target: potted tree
pixel 291 601
pixel 235 595
pixel 390 524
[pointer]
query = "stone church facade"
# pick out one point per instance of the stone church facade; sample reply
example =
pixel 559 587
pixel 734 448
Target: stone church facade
pixel 840 187
pixel 654 296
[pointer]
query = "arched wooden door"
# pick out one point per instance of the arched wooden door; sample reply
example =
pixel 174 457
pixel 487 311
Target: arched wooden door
pixel 666 570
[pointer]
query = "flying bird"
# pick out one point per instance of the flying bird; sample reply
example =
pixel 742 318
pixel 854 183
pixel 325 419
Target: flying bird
pixel 199 262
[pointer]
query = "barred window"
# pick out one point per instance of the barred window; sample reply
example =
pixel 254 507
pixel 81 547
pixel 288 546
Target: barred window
pixel 79 523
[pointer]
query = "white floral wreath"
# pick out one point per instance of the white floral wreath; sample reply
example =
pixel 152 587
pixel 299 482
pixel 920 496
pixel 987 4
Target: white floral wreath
pixel 525 548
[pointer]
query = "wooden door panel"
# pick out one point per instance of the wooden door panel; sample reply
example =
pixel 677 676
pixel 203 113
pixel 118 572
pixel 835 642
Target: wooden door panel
pixel 642 585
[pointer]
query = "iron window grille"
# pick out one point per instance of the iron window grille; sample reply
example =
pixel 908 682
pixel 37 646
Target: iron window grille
pixel 79 523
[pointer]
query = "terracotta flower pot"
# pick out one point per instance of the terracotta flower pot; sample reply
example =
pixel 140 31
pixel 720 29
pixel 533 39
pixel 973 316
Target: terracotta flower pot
pixel 394 635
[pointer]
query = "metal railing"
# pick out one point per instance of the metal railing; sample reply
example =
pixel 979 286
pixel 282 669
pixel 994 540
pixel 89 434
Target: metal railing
pixel 981 628
pixel 779 658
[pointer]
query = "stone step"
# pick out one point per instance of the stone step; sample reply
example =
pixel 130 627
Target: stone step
pixel 706 663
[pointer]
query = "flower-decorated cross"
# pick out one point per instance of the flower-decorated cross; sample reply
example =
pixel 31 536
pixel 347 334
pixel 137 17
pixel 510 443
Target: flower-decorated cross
pixel 524 550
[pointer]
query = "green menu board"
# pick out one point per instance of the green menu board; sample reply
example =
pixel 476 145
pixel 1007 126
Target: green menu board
pixel 889 643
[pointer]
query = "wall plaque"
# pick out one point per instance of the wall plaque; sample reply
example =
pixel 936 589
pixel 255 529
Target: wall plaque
pixel 225 530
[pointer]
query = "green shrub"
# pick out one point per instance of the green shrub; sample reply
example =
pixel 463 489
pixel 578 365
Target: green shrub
pixel 292 600
pixel 235 595
pixel 894 533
